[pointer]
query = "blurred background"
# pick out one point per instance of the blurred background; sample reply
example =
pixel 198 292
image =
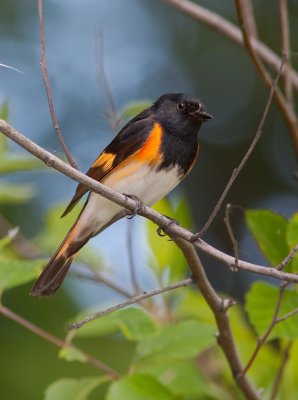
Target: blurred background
pixel 149 49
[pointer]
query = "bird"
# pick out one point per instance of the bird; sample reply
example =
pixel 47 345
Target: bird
pixel 148 158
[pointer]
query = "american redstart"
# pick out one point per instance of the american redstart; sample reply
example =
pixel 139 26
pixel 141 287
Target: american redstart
pixel 147 159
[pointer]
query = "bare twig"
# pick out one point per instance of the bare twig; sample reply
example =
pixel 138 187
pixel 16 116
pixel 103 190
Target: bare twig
pixel 288 258
pixel 12 68
pixel 43 64
pixel 96 277
pixel 132 266
pixel 136 299
pixel 219 308
pixel 226 28
pixel 285 108
pixel 285 40
pixel 263 339
pixel 174 230
pixel 280 372
pixel 237 170
pixel 250 19
pixel 232 237
pixel 56 341
pixel 286 316
pixel 111 109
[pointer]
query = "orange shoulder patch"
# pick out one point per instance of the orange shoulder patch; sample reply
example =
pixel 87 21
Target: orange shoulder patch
pixel 150 152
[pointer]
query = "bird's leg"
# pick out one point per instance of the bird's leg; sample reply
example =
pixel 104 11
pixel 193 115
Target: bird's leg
pixel 139 205
pixel 163 230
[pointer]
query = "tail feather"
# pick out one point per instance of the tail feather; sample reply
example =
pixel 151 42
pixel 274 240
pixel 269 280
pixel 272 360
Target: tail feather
pixel 54 272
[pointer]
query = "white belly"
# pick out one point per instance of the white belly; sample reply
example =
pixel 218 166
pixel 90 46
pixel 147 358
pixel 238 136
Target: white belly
pixel 144 182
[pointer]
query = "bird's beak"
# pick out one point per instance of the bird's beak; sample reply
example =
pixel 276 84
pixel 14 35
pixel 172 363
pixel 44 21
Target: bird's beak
pixel 202 115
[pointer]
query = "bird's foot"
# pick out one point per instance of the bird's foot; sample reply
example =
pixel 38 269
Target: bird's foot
pixel 138 208
pixel 163 230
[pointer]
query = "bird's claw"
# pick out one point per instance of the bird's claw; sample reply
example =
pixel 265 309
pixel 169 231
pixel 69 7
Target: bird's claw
pixel 138 208
pixel 163 230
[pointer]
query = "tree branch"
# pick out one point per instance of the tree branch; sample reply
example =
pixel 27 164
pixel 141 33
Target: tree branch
pixel 136 299
pixel 280 372
pixel 219 308
pixel 285 108
pixel 174 230
pixel 221 25
pixel 263 339
pixel 253 144
pixel 285 40
pixel 57 341
pixel 44 70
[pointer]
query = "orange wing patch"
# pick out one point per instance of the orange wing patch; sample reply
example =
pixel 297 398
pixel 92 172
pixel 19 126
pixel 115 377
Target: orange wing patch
pixel 104 162
pixel 102 168
pixel 150 151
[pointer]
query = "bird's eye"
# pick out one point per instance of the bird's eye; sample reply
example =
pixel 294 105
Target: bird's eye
pixel 181 106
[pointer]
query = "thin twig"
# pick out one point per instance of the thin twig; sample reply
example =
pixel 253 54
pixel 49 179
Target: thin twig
pixel 56 341
pixel 285 108
pixel 232 237
pixel 272 324
pixel 219 308
pixel 132 266
pixel 286 316
pixel 285 40
pixel 12 68
pixel 250 19
pixel 224 27
pixel 136 299
pixel 237 170
pixel 44 70
pixel 111 109
pixel 174 230
pixel 96 277
pixel 288 258
pixel 278 378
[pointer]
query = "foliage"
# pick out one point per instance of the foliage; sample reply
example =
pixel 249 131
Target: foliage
pixel 174 353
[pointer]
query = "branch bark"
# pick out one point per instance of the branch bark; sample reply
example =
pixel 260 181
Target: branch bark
pixel 221 25
pixel 174 230
pixel 219 308
pixel 57 341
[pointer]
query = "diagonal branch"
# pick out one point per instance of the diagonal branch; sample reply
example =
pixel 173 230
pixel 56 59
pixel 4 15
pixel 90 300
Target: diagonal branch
pixel 56 341
pixel 253 144
pixel 221 25
pixel 174 230
pixel 285 108
pixel 219 308
pixel 285 40
pixel 43 64
pixel 133 300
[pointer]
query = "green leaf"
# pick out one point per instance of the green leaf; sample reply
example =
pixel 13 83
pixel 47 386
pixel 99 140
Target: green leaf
pixel 17 272
pixel 133 108
pixel 183 340
pixel 260 305
pixel 194 306
pixel 70 353
pixel 73 389
pixel 180 376
pixel 292 239
pixel 15 163
pixel 14 193
pixel 6 240
pixel 269 230
pixel 138 387
pixel 165 254
pixel 134 323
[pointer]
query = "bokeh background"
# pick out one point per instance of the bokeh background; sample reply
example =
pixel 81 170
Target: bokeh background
pixel 149 49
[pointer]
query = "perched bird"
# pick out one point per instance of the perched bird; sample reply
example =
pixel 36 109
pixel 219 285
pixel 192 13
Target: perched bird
pixel 149 157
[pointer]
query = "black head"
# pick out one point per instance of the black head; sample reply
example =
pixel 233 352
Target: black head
pixel 180 112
